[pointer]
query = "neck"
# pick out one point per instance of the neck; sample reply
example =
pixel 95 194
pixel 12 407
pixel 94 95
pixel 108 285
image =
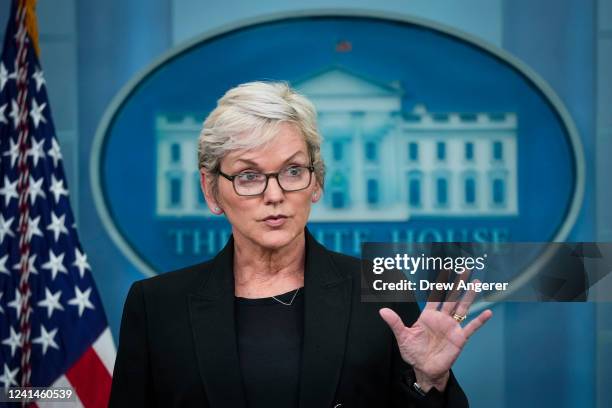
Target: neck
pixel 262 271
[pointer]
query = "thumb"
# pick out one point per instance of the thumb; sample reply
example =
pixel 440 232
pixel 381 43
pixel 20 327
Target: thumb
pixel 393 320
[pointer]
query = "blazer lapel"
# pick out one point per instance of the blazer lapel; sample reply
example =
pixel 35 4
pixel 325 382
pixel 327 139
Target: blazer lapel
pixel 212 317
pixel 327 303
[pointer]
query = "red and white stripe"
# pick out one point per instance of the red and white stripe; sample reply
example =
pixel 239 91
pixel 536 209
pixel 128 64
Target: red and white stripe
pixel 90 377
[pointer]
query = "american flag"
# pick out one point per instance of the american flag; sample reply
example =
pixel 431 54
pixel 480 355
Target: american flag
pixel 53 330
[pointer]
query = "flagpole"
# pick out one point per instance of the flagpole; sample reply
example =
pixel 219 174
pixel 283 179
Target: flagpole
pixel 21 66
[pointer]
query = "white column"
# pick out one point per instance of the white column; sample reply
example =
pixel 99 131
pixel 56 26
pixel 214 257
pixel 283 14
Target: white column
pixel 358 181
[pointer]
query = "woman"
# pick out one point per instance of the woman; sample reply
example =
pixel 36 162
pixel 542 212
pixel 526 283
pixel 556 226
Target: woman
pixel 275 319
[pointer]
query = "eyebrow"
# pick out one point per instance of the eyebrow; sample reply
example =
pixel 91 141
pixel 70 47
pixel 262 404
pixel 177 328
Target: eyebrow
pixel 252 163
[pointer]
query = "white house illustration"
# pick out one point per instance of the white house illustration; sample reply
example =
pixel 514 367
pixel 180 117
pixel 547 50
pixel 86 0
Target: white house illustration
pixel 383 163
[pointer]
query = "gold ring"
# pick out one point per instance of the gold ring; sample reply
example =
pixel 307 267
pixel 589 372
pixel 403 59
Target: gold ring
pixel 458 318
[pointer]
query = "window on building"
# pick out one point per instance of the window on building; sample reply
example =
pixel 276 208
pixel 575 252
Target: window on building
pixel 414 192
pixel 469 151
pixel 175 153
pixel 200 199
pixel 442 191
pixel 370 151
pixel 498 151
pixel 499 191
pixel 413 151
pixel 337 149
pixel 339 188
pixel 441 150
pixel 468 117
pixel 337 199
pixel 176 188
pixel 372 191
pixel 470 190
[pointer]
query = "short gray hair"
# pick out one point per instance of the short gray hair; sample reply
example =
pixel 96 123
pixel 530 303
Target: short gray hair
pixel 248 116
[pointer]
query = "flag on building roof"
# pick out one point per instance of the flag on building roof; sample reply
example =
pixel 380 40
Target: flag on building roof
pixel 53 330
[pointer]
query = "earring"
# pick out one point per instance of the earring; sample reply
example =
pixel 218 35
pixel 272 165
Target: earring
pixel 216 208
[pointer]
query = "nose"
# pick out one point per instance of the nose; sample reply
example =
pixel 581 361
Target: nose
pixel 274 193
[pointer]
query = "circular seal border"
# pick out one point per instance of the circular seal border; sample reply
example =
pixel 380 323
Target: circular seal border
pixel 107 119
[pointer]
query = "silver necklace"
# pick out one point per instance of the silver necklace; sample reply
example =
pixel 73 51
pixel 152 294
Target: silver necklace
pixel 290 302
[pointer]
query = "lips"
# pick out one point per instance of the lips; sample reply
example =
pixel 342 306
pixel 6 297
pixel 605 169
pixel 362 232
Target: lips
pixel 275 221
pixel 274 217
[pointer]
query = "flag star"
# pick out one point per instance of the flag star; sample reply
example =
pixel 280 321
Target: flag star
pixel 9 190
pixel 54 152
pixel 13 151
pixel 55 264
pixel 8 378
pixel 38 77
pixel 33 228
pixel 57 188
pixel 57 226
pixel 4 76
pixel 2 115
pixel 14 114
pixel 5 228
pixel 35 189
pixel 13 341
pixel 36 151
pixel 3 265
pixel 1 309
pixel 36 113
pixel 31 267
pixel 46 339
pixel 16 303
pixel 81 300
pixel 51 302
pixel 80 261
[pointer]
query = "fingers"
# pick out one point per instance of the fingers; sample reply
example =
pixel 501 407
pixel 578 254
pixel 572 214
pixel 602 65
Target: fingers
pixel 432 305
pixel 393 320
pixel 450 302
pixel 436 295
pixel 466 302
pixel 477 323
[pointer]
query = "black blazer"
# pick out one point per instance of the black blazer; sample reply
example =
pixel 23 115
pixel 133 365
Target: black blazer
pixel 178 348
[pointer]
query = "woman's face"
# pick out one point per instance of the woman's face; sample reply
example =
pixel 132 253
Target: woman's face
pixel 275 218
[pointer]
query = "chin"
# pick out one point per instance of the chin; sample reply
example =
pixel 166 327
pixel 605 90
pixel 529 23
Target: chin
pixel 276 239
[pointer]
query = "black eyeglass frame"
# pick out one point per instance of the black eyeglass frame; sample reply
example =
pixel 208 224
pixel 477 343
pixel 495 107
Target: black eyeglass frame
pixel 231 178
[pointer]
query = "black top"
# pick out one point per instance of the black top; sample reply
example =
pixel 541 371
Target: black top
pixel 269 335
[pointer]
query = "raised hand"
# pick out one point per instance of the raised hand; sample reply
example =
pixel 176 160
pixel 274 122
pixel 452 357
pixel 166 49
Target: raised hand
pixel 433 343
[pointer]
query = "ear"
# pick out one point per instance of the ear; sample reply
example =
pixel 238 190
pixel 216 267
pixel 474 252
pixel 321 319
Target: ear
pixel 212 203
pixel 316 194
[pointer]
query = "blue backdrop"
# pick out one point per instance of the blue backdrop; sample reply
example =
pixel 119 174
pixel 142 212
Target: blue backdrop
pixel 532 355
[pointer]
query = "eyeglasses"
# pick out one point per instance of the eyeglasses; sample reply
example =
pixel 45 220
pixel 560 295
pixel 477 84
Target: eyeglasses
pixel 291 178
